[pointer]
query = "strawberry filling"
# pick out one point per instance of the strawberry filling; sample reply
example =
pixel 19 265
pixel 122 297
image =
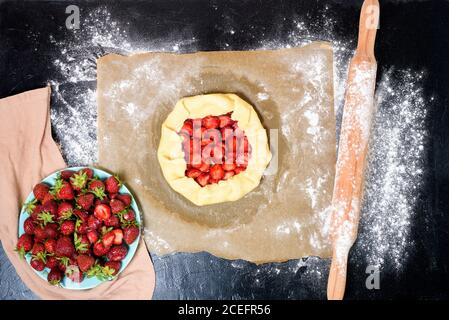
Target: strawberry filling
pixel 215 148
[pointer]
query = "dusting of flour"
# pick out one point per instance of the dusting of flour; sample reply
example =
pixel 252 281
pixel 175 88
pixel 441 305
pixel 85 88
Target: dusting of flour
pixel 396 158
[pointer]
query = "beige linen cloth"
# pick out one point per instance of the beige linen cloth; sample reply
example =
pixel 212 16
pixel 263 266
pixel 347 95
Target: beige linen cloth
pixel 28 154
pixel 292 92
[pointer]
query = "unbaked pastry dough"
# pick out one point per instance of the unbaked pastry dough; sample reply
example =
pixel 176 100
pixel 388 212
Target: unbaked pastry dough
pixel 171 155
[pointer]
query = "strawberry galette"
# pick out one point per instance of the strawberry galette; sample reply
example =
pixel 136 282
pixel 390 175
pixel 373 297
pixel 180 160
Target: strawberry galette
pixel 213 148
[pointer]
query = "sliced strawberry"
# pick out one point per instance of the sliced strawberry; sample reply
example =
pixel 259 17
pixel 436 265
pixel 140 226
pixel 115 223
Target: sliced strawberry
pixel 187 128
pixel 216 172
pixel 239 169
pixel 225 120
pixel 193 173
pixel 228 166
pixel 92 236
pixel 228 174
pixel 203 179
pixel 118 236
pixel 210 122
pixel 102 211
pixel 108 239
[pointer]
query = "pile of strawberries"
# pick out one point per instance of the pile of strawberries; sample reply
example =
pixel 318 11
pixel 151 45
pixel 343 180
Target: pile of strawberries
pixel 81 226
pixel 215 148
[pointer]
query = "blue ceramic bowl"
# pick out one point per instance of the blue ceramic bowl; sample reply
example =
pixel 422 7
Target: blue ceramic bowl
pixel 87 283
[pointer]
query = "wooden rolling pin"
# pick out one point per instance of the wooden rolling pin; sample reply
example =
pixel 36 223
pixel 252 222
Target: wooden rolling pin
pixel 354 136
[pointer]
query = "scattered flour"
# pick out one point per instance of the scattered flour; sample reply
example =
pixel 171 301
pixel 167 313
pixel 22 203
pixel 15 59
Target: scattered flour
pixel 396 160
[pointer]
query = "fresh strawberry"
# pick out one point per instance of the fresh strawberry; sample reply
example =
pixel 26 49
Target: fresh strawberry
pixel 97 188
pixel 50 245
pixel 100 249
pixel 112 184
pixel 130 234
pixel 228 174
pixel 48 197
pixel 104 201
pixel 117 253
pixel 113 265
pixel 129 215
pixel 116 206
pixel 52 262
pixel 212 181
pixel 85 201
pixel 82 243
pixel 81 227
pixel 66 174
pixel 35 212
pixel 45 217
pixel 24 244
pixel 193 173
pixel 73 273
pixel 63 190
pixel 39 233
pixel 40 191
pixel 29 226
pixel 93 223
pixel 210 122
pixel 78 180
pixel 85 262
pixel 92 236
pixel 81 214
pixel 51 231
pixel 54 276
pixel 225 121
pixel 64 247
pixel 37 248
pixel 118 236
pixel 107 239
pixel 125 198
pixel 50 206
pixel 89 172
pixel 102 211
pixel 203 179
pixel 112 221
pixel 67 227
pixel 65 210
pixel 216 172
pixel 37 264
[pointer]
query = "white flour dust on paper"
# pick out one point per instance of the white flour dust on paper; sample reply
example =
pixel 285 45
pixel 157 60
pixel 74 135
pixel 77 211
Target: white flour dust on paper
pixel 395 168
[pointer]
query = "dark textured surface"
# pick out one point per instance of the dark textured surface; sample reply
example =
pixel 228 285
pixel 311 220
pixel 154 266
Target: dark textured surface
pixel 412 34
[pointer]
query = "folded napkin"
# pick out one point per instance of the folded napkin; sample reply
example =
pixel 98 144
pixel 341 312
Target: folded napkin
pixel 28 154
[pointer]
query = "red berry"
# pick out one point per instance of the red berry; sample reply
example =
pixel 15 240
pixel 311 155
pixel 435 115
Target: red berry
pixel 39 233
pixel 50 245
pixel 193 173
pixel 37 248
pixel 66 174
pixel 118 236
pixel 85 262
pixel 93 223
pixel 103 211
pixel 54 276
pixel 25 243
pixel 107 239
pixel 116 206
pixel 64 247
pixel 125 198
pixel 51 231
pixel 85 201
pixel 112 184
pixel 130 234
pixel 114 265
pixel 210 122
pixel 29 226
pixel 100 249
pixel 37 264
pixel 92 236
pixel 112 221
pixel 203 179
pixel 225 120
pixel 129 215
pixel 40 191
pixel 216 172
pixel 67 227
pixel 117 253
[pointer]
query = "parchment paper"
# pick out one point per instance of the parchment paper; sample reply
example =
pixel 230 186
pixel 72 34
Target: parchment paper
pixel 291 89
